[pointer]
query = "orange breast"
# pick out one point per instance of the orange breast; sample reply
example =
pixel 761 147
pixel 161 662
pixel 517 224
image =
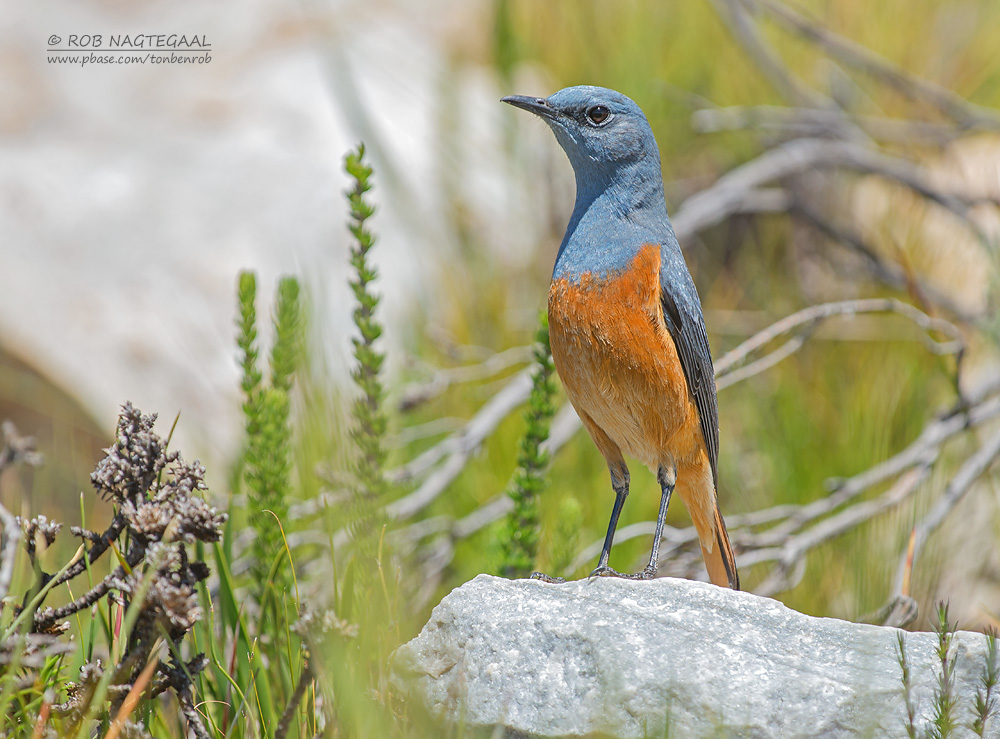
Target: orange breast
pixel 620 367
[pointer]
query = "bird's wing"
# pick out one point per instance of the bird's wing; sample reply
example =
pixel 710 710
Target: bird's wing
pixel 683 316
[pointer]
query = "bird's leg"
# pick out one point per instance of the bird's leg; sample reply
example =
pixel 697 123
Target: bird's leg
pixel 667 479
pixel 619 481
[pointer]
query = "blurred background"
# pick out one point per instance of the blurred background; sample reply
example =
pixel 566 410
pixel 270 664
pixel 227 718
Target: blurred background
pixel 811 153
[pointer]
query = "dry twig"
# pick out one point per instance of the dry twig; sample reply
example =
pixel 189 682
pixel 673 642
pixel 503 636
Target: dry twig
pixel 442 379
pixel 970 471
pixel 810 317
pixel 735 16
pixel 820 123
pixel 891 275
pixel 860 57
pixel 726 197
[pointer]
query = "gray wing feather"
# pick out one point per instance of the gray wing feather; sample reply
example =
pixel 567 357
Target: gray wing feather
pixel 683 316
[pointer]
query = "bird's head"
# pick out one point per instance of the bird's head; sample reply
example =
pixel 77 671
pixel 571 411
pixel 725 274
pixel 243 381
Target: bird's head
pixel 599 129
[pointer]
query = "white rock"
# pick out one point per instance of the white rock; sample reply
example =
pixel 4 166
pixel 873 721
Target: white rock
pixel 623 658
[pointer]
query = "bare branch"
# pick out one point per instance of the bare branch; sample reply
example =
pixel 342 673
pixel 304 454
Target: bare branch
pixel 462 443
pixel 442 379
pixel 455 450
pixel 567 423
pixel 889 274
pixel 429 429
pixel 796 548
pixel 776 72
pixel 810 317
pixel 860 57
pixel 482 517
pixel 764 363
pixel 926 446
pixel 821 123
pixel 968 473
pixel 285 722
pixel 781 544
pixel 715 204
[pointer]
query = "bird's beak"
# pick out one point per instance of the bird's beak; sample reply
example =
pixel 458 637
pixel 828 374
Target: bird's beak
pixel 538 106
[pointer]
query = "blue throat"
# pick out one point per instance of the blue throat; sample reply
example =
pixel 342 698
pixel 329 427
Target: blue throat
pixel 618 210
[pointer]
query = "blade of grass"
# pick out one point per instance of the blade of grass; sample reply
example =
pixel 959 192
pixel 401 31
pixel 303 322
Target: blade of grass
pixel 132 699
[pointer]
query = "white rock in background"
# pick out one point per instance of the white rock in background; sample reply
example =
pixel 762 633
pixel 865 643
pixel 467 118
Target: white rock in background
pixel 131 195
pixel 619 657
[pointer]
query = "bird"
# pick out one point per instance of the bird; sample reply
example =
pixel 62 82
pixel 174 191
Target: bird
pixel 626 325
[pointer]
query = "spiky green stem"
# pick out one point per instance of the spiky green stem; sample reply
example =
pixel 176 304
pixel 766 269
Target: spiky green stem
pixel 945 699
pixel 370 421
pixel 986 700
pixel 267 412
pixel 519 537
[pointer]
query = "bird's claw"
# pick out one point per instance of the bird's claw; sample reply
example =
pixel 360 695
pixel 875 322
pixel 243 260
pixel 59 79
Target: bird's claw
pixel 546 578
pixel 604 571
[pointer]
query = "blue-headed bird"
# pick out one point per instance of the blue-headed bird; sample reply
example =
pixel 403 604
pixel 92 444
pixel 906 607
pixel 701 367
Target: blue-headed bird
pixel 625 321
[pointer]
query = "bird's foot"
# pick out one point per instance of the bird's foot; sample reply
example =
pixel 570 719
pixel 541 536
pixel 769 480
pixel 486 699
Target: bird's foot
pixel 546 578
pixel 647 574
pixel 605 571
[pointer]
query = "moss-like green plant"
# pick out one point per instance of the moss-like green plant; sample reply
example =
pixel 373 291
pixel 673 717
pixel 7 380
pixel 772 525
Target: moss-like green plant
pixel 267 414
pixel 519 536
pixel 370 421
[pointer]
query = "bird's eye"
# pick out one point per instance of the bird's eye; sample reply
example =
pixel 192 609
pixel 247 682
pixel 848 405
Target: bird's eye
pixel 598 115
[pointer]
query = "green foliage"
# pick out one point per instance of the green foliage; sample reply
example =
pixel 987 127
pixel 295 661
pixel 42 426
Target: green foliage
pixel 505 52
pixel 985 704
pixel 370 422
pixel 945 700
pixel 267 419
pixel 357 668
pixel 266 669
pixel 565 536
pixel 246 339
pixel 286 351
pixel 905 677
pixel 519 537
pixel 143 614
pixel 944 721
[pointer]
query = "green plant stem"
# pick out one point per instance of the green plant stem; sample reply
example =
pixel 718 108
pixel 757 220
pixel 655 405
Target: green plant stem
pixel 519 536
pixel 370 421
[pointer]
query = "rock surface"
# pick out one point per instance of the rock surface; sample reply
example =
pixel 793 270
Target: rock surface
pixel 625 658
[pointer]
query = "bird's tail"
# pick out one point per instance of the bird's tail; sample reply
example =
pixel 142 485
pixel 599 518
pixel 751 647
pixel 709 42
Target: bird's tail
pixel 721 562
pixel 698 493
